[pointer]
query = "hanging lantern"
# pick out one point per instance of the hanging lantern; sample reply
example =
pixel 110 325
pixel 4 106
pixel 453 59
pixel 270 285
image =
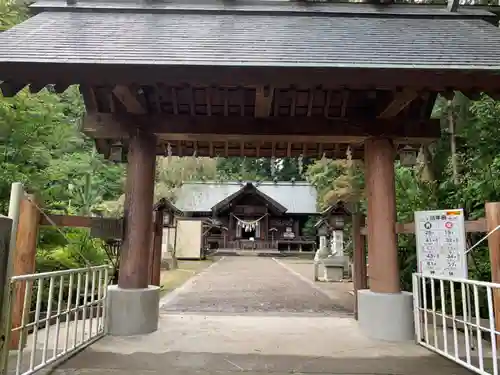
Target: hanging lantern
pixel 408 156
pixel 116 152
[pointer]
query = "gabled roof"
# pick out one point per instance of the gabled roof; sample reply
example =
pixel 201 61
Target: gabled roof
pixel 338 208
pixel 165 204
pixel 255 34
pixel 249 188
pixel 297 197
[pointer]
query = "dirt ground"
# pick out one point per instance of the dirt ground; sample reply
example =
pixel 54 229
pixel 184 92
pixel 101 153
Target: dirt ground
pixel 249 285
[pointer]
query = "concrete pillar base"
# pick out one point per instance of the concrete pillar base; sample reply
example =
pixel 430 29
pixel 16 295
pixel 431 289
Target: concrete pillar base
pixel 132 311
pixel 386 316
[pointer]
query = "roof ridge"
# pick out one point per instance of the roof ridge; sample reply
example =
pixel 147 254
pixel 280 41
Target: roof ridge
pixel 264 7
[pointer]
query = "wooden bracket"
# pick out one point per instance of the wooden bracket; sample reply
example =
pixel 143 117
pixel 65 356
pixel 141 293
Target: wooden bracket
pixel 401 100
pixel 263 101
pixel 125 95
pixel 10 89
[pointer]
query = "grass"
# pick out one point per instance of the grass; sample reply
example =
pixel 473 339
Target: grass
pixel 172 279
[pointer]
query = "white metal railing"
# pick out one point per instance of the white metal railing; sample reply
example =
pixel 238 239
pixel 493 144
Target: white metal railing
pixel 455 318
pixel 66 314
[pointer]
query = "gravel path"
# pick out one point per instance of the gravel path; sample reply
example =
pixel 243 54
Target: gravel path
pixel 249 285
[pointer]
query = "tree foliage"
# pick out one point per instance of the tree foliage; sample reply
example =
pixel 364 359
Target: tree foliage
pixel 42 147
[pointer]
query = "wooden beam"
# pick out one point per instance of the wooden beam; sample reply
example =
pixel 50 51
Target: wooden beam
pixel 60 87
pixel 473 95
pixel 89 98
pixel 24 261
pixel 471 226
pixel 10 89
pixel 129 100
pixel 36 87
pixel 155 266
pixel 359 258
pixel 263 101
pixel 271 129
pixel 354 78
pixel 67 221
pixel 253 150
pixel 492 210
pixel 400 101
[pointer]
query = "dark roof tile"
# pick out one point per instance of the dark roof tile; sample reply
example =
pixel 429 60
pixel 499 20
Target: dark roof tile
pixel 253 40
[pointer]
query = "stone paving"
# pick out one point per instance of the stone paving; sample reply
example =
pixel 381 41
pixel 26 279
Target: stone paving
pixel 251 285
pixel 254 316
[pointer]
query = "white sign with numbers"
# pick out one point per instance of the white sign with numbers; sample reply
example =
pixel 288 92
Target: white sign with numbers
pixel 441 243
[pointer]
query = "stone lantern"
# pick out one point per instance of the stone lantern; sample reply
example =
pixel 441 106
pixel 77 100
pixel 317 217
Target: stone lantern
pixel 323 230
pixel 337 215
pixel 331 256
pixel 168 218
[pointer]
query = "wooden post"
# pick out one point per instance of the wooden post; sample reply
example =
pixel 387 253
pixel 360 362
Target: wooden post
pixel 493 220
pixel 359 258
pixel 381 191
pixel 134 259
pixel 24 259
pixel 156 250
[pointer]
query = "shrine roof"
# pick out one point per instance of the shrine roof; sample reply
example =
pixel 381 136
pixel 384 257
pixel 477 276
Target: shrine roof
pixel 296 197
pixel 252 34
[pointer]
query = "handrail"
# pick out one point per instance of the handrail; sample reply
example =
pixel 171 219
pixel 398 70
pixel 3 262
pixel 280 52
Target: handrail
pixel 35 276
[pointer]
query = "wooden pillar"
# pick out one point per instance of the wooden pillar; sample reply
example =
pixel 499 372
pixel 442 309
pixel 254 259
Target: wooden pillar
pixel 24 259
pixel 134 259
pixel 156 248
pixel 266 233
pixel 492 221
pixel 381 194
pixel 359 258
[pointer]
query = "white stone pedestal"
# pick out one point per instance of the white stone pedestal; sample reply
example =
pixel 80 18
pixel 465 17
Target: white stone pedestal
pixel 333 268
pixel 333 273
pixel 132 311
pixel 386 316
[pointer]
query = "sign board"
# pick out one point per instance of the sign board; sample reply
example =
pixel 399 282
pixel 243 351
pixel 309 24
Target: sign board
pixel 106 228
pixel 441 243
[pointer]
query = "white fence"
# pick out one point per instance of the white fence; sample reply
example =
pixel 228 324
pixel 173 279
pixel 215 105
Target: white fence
pixel 455 318
pixel 66 314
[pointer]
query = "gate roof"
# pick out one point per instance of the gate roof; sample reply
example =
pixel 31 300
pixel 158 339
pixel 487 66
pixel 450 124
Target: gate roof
pixel 95 36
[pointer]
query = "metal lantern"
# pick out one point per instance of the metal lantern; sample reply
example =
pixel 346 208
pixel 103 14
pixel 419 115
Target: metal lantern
pixel 116 152
pixel 408 156
pixel 168 218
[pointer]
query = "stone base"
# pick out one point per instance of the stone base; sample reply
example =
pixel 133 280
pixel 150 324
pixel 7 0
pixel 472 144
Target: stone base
pixel 386 316
pixel 333 273
pixel 334 268
pixel 132 311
